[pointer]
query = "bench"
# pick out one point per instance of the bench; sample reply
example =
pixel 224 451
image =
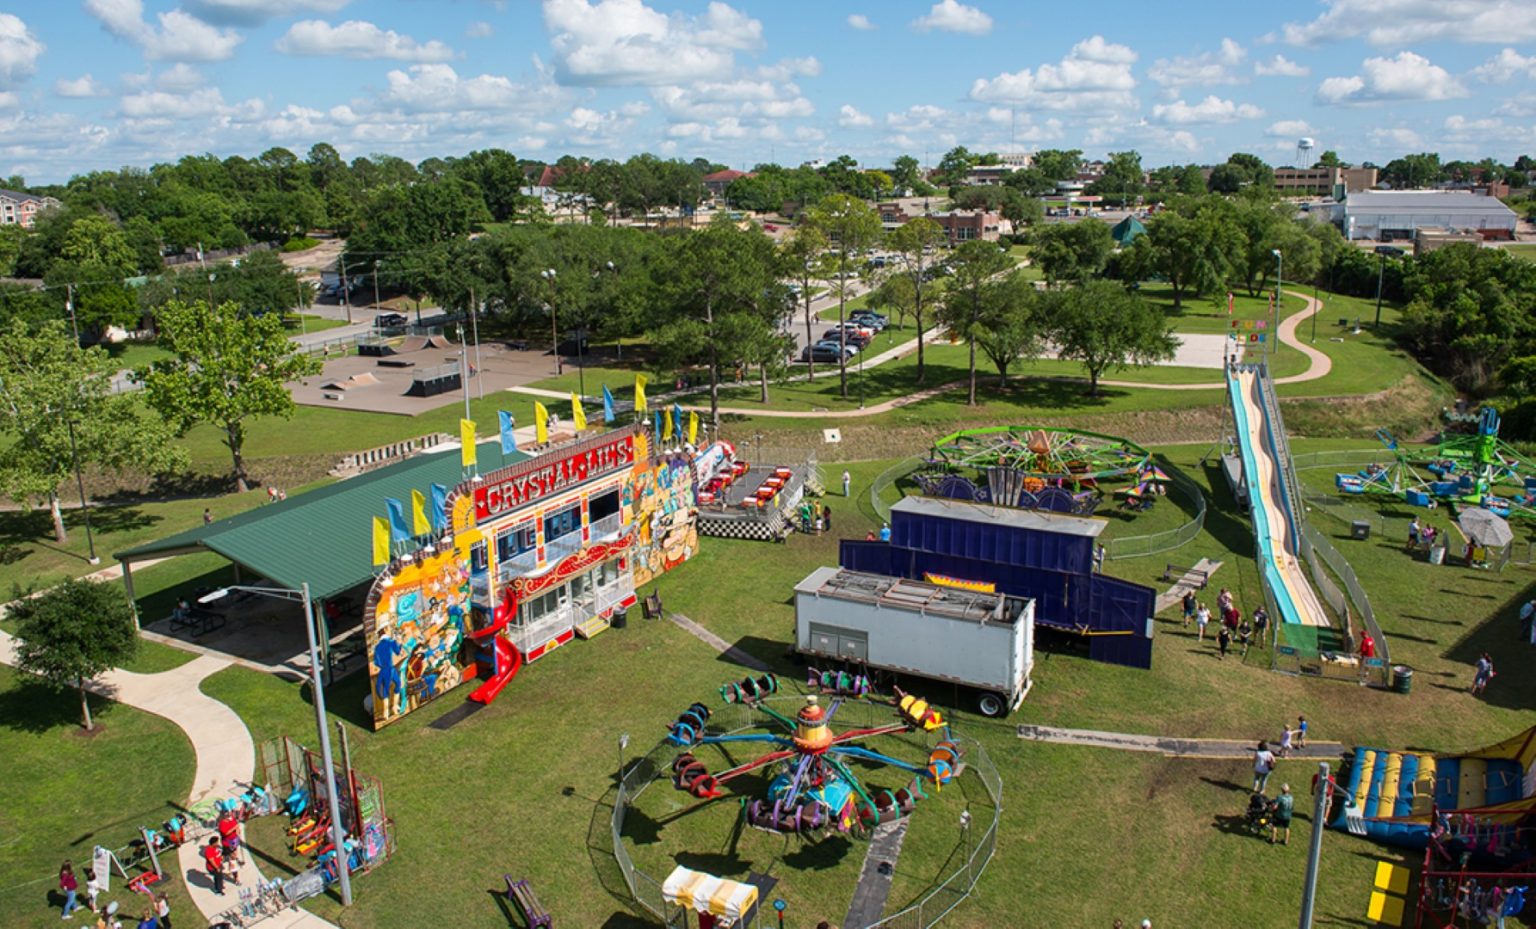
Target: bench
pixel 1181 572
pixel 527 903
pixel 196 621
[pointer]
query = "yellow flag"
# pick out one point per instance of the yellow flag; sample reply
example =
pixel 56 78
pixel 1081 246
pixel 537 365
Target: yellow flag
pixel 467 441
pixel 640 393
pixel 666 427
pixel 578 415
pixel 540 422
pixel 420 525
pixel 693 427
pixel 380 540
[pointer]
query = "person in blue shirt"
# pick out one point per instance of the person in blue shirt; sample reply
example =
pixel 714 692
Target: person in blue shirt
pixel 885 532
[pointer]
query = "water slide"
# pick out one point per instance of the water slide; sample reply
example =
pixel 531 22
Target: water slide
pixel 1276 525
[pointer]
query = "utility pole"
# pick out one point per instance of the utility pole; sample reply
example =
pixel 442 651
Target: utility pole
pixel 69 304
pixel 346 297
pixel 1319 810
pixel 375 284
pixel 474 325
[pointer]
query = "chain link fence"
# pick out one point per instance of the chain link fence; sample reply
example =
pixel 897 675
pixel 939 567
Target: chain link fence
pixel 979 832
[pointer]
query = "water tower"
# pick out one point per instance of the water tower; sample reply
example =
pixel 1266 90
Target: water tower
pixel 1304 152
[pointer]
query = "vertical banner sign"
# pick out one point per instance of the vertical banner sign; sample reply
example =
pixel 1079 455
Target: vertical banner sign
pixel 640 382
pixel 439 506
pixel 578 415
pixel 420 525
pixel 508 440
pixel 467 442
pixel 398 531
pixel 540 423
pixel 693 427
pixel 380 541
pixel 608 415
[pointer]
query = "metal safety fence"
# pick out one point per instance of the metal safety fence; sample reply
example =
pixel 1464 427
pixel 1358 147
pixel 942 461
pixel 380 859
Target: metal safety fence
pixel 980 820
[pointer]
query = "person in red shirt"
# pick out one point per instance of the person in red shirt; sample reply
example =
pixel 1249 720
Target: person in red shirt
pixel 229 837
pixel 1367 646
pixel 215 861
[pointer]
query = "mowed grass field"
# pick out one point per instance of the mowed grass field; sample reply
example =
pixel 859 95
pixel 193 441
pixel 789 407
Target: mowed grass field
pixel 1087 836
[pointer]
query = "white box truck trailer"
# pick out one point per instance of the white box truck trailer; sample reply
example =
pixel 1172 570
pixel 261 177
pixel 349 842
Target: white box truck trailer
pixel 985 641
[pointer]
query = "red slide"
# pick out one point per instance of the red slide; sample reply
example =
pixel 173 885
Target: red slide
pixel 508 662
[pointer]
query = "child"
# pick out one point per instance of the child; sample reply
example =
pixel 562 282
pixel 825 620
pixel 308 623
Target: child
pixel 1202 619
pixel 92 889
pixel 1244 634
pixel 1286 743
pixel 1301 732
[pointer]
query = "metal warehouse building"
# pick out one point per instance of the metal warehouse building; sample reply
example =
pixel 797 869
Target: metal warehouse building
pixel 1399 214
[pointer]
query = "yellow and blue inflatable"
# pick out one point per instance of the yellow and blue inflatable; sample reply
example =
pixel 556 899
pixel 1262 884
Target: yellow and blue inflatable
pixel 1398 792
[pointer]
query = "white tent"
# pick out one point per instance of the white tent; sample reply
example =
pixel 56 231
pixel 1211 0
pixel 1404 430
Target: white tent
pixel 731 901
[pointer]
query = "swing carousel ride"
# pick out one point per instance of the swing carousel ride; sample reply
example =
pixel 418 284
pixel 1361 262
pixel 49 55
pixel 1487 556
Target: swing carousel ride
pixel 814 790
pixel 1032 467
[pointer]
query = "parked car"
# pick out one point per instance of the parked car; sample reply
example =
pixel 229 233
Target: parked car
pixel 851 336
pixel 391 321
pixel 826 352
pixel 869 320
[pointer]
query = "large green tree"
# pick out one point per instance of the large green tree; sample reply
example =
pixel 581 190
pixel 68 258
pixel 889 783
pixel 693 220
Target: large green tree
pixel 1122 181
pixel 972 295
pixel 1470 310
pixel 57 405
pixel 1105 327
pixel 851 227
pixel 1195 245
pixel 70 634
pixel 916 244
pixel 1011 327
pixel 1072 251
pixel 228 367
pixel 799 253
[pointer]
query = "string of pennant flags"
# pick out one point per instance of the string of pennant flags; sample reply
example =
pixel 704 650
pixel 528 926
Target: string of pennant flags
pixel 429 515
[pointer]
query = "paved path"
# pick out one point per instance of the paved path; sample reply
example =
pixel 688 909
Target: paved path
pixel 1320 365
pixel 718 644
pixel 226 759
pixel 1185 583
pixel 1168 745
pixel 874 886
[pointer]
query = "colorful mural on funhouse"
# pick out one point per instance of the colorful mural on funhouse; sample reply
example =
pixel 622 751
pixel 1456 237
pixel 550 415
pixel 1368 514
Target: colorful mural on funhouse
pixel 418 618
pixel 659 504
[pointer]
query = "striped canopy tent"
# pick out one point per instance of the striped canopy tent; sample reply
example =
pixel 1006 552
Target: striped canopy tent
pixel 732 903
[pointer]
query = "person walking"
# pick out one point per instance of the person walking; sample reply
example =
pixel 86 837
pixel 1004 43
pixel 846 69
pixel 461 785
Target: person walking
pixel 1286 743
pixel 148 921
pixel 847 483
pixel 1223 641
pixel 1261 626
pixel 1224 601
pixel 1285 804
pixel 1244 636
pixel 70 887
pixel 163 911
pixel 885 532
pixel 1483 674
pixel 1263 765
pixel 1413 534
pixel 1202 619
pixel 207 516
pixel 1189 607
pixel 1301 732
pixel 215 863
pixel 1527 612
pixel 93 889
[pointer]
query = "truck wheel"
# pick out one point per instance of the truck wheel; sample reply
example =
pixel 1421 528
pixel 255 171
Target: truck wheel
pixel 992 704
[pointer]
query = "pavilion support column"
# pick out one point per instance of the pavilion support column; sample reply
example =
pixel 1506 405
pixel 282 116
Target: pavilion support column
pixel 133 603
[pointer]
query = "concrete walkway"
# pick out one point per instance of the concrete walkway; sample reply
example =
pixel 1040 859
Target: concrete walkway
pixel 226 759
pixel 1168 745
pixel 720 645
pixel 1193 579
pixel 877 875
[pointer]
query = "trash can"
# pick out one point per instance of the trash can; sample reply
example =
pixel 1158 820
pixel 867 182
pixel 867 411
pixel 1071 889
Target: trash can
pixel 1437 555
pixel 1359 529
pixel 1402 678
pixel 620 618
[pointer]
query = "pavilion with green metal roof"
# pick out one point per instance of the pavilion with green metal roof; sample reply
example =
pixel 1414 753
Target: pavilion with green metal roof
pixel 1127 231
pixel 323 537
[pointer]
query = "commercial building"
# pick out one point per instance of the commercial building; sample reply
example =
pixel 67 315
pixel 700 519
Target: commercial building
pixel 1390 215
pixel 965 225
pixel 1323 181
pixel 717 182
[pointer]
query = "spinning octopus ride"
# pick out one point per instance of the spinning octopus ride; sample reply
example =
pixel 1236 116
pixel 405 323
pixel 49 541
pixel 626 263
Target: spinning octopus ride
pixel 1034 467
pixel 813 790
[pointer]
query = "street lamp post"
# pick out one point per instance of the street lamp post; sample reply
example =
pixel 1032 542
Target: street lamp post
pixel 1315 850
pixel 338 834
pixel 375 285
pixel 1385 251
pixel 549 275
pixel 1274 334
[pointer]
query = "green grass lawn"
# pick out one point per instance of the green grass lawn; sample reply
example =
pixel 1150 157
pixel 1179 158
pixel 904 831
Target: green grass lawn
pixel 525 785
pixel 136 354
pixel 305 322
pixel 1525 250
pixel 65 792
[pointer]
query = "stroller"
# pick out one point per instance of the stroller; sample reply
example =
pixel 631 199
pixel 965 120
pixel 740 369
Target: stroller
pixel 1259 815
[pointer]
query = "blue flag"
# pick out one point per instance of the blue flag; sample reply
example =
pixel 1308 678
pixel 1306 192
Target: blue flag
pixel 399 529
pixel 607 405
pixel 656 416
pixel 439 506
pixel 677 419
pixel 508 440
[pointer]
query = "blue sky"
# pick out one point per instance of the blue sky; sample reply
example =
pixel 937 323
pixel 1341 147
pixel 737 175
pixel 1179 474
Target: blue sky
pixel 88 84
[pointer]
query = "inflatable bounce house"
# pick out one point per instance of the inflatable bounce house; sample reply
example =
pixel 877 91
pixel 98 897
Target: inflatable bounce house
pixel 1406 796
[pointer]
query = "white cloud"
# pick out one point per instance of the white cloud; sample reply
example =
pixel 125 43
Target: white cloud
pixel 1201 70
pixel 749 101
pixel 19 50
pixel 180 77
pixel 1400 137
pixel 179 37
pixel 860 21
pixel 82 86
pixel 625 42
pixel 157 104
pixel 357 39
pixel 727 129
pixel 789 68
pixel 1406 76
pixel 479 29
pixel 954 16
pixel 1507 64
pixel 1280 66
pixel 1094 76
pixel 851 117
pixel 1402 22
pixel 1212 109
pixel 1288 128
pixel 1519 107
pixel 437 88
pixel 251 12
